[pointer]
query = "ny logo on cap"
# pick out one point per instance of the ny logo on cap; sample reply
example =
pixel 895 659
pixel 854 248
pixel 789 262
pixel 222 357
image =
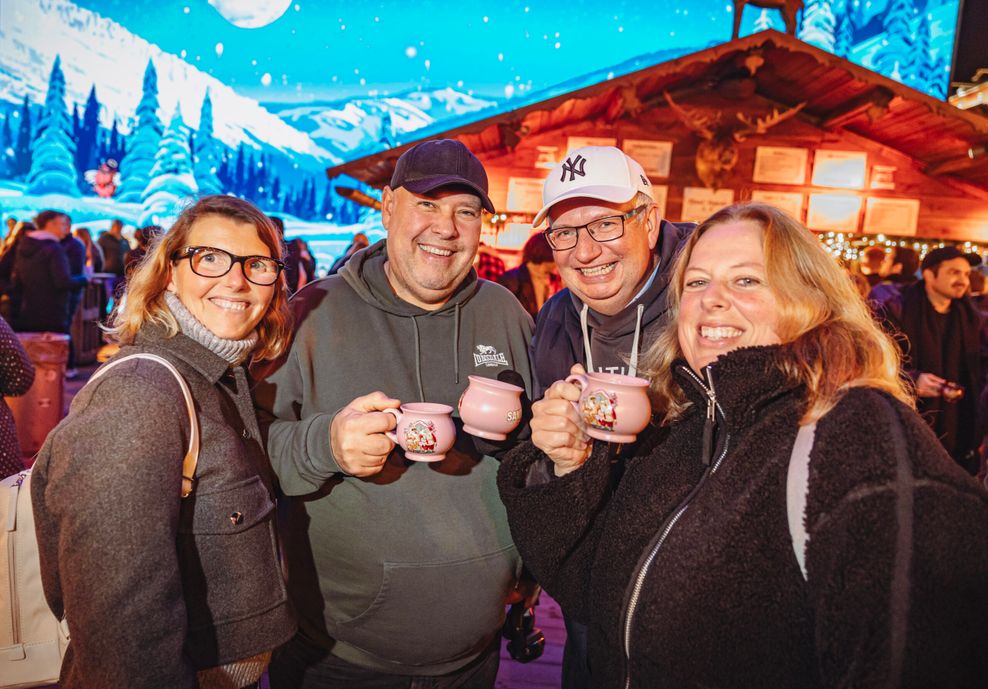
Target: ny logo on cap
pixel 574 168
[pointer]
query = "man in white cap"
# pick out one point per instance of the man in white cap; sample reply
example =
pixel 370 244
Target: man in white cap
pixel 614 255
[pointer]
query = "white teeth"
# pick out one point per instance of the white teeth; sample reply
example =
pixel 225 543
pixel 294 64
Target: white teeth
pixel 720 333
pixel 598 270
pixel 435 250
pixel 230 305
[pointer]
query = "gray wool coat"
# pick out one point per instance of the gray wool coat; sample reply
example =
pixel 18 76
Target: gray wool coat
pixel 156 587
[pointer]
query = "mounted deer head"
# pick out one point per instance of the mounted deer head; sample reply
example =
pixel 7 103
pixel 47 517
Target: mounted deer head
pixel 717 154
pixel 789 9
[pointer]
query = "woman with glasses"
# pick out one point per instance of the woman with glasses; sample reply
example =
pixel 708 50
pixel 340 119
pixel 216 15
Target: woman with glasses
pixel 168 578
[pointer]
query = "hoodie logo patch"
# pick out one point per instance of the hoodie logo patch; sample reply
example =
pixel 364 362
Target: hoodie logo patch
pixel 488 356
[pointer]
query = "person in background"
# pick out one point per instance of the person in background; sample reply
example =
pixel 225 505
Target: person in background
pixel 16 378
pixel 11 296
pixel 870 264
pixel 900 268
pixel 11 224
pixel 115 249
pixel 75 254
pixel 94 254
pixel 535 279
pixel 942 348
pixel 307 272
pixel 399 570
pixel 358 242
pixel 175 592
pixel 292 264
pixel 43 277
pixel 489 265
pixel 690 573
pixel 145 238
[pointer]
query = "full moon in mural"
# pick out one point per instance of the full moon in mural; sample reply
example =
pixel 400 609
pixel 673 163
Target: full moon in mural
pixel 251 14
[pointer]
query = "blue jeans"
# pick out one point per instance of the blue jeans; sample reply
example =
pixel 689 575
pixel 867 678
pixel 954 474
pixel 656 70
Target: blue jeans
pixel 300 664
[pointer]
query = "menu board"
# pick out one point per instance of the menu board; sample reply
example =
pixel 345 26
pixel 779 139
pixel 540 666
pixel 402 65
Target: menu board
pixel 789 201
pixel 844 169
pixel 581 141
pixel 660 192
pixel 654 156
pixel 838 212
pixel 891 216
pixel 699 203
pixel 780 165
pixel 525 194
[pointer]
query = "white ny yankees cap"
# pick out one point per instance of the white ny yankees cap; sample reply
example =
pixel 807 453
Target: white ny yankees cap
pixel 594 172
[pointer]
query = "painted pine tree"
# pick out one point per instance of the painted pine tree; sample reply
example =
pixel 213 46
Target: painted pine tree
pixel 25 139
pixel 764 21
pixel 135 168
pixel 173 183
pixel 844 34
pixel 895 54
pixel 53 162
pixel 87 153
pixel 207 158
pixel 6 148
pixel 817 27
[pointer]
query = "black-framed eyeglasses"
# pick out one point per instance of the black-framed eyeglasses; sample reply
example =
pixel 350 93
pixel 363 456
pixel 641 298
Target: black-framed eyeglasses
pixel 209 262
pixel 600 230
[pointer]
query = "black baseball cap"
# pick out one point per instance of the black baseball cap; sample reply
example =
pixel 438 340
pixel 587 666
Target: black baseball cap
pixel 429 165
pixel 947 253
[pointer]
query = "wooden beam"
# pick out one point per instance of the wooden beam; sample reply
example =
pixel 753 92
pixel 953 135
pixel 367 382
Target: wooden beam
pixel 976 157
pixel 870 102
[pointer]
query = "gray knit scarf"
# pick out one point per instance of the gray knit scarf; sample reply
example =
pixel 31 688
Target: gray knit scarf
pixel 234 351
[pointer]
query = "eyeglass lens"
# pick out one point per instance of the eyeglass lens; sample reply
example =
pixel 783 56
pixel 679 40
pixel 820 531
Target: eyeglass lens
pixel 212 263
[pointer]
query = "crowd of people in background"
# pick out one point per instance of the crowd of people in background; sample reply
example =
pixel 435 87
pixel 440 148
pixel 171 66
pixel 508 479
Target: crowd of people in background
pixel 792 401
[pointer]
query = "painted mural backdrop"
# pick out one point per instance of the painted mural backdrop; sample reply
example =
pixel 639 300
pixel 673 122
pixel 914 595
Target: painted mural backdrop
pixel 129 108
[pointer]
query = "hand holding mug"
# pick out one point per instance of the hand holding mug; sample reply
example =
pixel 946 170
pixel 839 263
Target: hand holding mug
pixel 557 429
pixel 357 434
pixel 424 430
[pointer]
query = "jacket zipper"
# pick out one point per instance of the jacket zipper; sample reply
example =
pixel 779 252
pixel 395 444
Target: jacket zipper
pixel 708 427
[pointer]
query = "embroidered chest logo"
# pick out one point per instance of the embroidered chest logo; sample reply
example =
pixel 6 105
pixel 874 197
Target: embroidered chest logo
pixel 488 356
pixel 574 167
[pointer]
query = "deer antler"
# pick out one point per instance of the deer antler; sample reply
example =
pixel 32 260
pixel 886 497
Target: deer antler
pixel 763 124
pixel 702 122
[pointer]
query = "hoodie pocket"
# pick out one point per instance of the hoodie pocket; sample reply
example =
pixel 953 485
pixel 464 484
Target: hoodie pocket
pixel 430 613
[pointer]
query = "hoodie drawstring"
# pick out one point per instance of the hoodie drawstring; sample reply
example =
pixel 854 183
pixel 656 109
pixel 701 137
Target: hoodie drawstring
pixel 633 365
pixel 418 360
pixel 456 343
pixel 586 337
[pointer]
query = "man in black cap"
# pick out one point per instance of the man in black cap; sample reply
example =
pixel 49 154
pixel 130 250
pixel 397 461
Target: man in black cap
pixel 399 570
pixel 942 349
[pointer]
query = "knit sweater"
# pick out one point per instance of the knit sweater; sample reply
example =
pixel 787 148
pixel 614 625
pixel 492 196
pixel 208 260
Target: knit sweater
pixel 699 558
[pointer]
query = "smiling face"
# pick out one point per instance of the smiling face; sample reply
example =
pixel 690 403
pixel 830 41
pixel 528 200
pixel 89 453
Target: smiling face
pixel 950 279
pixel 432 241
pixel 605 275
pixel 726 301
pixel 229 306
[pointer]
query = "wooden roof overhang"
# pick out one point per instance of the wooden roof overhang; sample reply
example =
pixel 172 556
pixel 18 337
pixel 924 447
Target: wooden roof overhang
pixel 768 68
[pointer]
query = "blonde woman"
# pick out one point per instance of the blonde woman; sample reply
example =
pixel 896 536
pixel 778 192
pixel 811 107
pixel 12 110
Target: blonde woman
pixel 161 590
pixel 689 572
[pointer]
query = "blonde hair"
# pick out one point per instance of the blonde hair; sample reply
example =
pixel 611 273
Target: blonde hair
pixel 145 303
pixel 834 343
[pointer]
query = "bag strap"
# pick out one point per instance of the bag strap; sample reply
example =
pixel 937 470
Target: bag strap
pixel 797 487
pixel 191 458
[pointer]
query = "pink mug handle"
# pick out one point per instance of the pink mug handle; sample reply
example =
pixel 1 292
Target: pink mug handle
pixel 392 436
pixel 579 380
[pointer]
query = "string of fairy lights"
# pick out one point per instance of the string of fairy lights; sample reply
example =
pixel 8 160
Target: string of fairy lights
pixel 849 247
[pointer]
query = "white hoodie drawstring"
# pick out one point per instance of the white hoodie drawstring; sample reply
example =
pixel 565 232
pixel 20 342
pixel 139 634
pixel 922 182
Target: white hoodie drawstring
pixel 633 366
pixel 586 337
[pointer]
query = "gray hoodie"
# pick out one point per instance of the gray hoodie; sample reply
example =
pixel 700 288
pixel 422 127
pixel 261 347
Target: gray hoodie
pixel 405 572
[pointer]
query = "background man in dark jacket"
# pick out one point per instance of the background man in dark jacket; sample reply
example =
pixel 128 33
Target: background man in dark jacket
pixel 42 274
pixel 614 255
pixel 942 349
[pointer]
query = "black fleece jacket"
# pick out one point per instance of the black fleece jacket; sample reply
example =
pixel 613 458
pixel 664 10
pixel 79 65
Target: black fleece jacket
pixel 897 555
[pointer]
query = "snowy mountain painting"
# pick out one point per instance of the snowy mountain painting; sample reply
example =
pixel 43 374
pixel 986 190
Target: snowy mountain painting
pixel 130 108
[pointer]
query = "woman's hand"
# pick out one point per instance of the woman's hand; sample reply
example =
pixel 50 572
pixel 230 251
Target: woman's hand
pixel 557 429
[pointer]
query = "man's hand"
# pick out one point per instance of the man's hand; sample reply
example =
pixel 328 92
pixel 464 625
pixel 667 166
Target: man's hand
pixel 929 385
pixel 557 429
pixel 357 434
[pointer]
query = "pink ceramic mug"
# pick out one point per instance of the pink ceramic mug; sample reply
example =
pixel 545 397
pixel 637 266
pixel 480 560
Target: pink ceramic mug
pixel 425 431
pixel 613 407
pixel 489 408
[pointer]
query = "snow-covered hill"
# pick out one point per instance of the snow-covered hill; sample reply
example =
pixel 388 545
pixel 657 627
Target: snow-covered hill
pixel 96 49
pixel 361 125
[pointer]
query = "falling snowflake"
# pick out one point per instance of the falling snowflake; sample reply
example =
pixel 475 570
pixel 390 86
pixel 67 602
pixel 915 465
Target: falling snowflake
pixel 410 51
pixel 219 50
pixel 266 79
pixel 509 90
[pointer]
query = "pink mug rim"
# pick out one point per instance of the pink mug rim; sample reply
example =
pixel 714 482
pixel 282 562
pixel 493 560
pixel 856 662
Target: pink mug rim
pixel 426 408
pixel 617 379
pixel 494 383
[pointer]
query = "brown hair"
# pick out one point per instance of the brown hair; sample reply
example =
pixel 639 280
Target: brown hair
pixel 821 317
pixel 145 303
